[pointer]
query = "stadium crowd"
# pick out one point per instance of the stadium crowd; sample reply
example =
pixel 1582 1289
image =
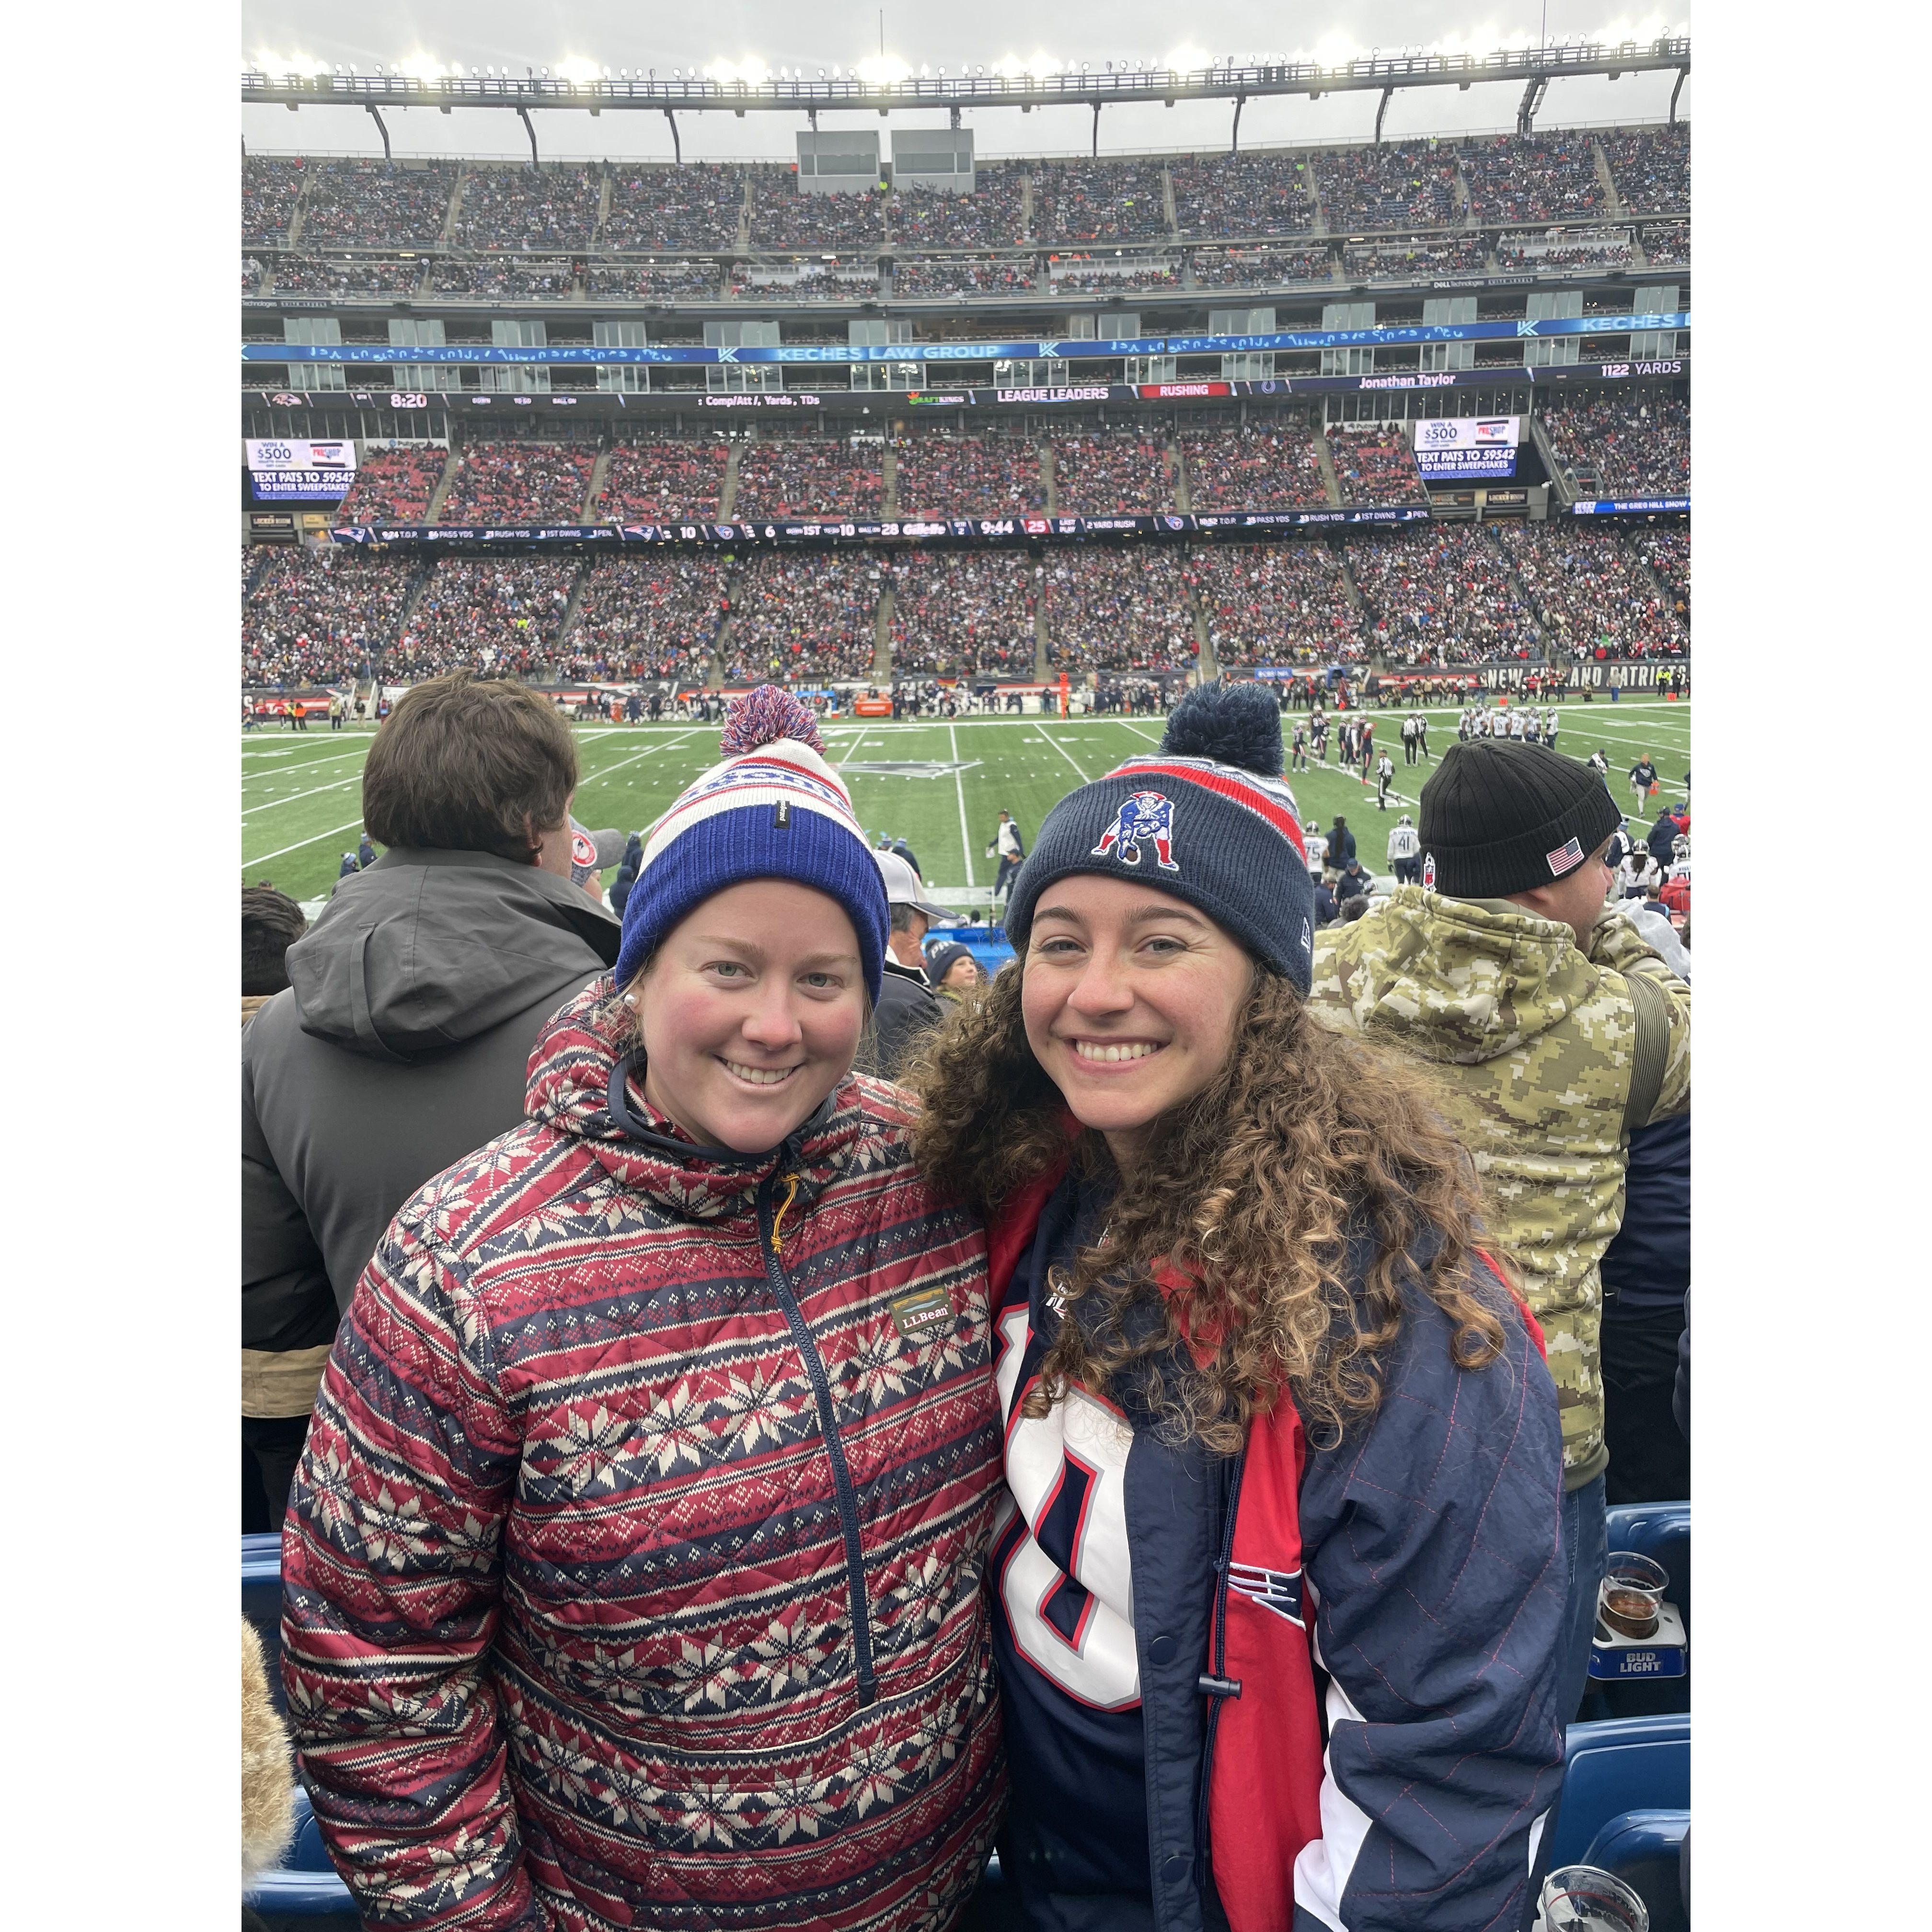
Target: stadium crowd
pixel 696 281
pixel 1117 609
pixel 519 483
pixel 855 280
pixel 696 205
pixel 496 614
pixel 1564 248
pixel 1275 604
pixel 1098 201
pixel 1439 596
pixel 993 216
pixel 783 217
pixel 957 612
pixel 502 277
pixel 1591 590
pixel 942 473
pixel 801 616
pixel 663 480
pixel 1252 467
pixel 1374 464
pixel 394 486
pixel 1666 244
pixel 523 210
pixel 311 618
pixel 1513 177
pixel 1667 551
pixel 1464 254
pixel 1076 274
pixel 1219 195
pixel 337 275
pixel 1635 446
pixel 1254 268
pixel 809 476
pixel 640 617
pixel 1651 167
pixel 917 276
pixel 1398 185
pixel 1111 473
pixel 377 204
pixel 270 189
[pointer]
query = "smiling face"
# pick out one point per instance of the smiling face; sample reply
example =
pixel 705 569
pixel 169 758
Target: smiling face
pixel 1130 1000
pixel 750 1013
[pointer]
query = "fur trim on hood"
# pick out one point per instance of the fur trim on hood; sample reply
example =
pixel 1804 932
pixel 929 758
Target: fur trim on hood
pixel 268 1777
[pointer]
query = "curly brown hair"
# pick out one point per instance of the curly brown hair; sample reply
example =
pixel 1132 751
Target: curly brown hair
pixel 1248 1201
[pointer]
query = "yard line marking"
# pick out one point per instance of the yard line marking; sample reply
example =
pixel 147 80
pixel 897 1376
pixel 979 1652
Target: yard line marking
pixel 269 805
pixel 301 845
pixel 303 765
pixel 959 786
pixel 1137 731
pixel 670 745
pixel 1063 751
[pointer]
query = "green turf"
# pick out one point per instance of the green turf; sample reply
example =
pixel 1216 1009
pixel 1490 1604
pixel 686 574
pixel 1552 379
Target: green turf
pixel 300 797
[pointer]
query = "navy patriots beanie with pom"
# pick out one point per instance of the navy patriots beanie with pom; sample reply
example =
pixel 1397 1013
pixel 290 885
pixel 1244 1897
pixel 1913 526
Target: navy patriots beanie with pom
pixel 1207 817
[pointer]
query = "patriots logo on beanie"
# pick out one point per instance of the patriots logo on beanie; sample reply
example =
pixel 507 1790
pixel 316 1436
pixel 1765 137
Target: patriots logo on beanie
pixel 1146 816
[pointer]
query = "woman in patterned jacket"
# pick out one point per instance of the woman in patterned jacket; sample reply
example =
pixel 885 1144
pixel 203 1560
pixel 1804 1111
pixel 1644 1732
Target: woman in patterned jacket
pixel 632 1569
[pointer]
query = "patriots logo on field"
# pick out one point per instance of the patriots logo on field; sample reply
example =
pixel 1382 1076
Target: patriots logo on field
pixel 1277 1590
pixel 1147 817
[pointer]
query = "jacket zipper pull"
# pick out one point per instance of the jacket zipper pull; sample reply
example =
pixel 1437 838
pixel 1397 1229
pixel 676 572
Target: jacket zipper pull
pixel 784 1208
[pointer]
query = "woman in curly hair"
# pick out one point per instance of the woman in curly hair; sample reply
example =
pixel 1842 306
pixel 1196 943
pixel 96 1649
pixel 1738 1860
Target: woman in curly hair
pixel 1276 1594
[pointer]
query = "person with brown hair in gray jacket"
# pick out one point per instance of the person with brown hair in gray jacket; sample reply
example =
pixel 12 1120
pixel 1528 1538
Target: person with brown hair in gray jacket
pixel 402 1042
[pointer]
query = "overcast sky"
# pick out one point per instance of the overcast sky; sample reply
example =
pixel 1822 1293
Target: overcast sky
pixel 811 34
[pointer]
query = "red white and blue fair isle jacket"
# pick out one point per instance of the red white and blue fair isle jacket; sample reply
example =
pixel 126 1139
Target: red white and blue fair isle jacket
pixel 1344 1660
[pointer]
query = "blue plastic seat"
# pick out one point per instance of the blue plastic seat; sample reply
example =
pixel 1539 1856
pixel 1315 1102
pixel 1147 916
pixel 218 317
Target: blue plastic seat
pixel 262 1604
pixel 1662 1532
pixel 305 1886
pixel 1624 1764
pixel 1642 1848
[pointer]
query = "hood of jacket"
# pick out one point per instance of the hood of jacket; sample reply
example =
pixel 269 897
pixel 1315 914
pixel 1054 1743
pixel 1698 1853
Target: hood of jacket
pixel 1458 981
pixel 427 950
pixel 586 1081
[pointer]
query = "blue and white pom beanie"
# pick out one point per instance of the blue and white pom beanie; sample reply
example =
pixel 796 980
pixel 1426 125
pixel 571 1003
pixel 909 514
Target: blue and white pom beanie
pixel 773 809
pixel 1208 817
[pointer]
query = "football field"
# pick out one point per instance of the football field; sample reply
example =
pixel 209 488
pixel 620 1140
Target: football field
pixel 940 786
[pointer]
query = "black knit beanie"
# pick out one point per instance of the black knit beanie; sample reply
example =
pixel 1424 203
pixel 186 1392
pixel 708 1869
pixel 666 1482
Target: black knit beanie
pixel 1207 817
pixel 1501 815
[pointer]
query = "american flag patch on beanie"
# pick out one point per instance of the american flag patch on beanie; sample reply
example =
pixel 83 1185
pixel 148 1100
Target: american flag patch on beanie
pixel 1564 857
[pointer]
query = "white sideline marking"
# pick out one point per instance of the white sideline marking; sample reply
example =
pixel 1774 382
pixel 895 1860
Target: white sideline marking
pixel 668 745
pixel 959 785
pixel 269 805
pixel 1063 752
pixel 300 844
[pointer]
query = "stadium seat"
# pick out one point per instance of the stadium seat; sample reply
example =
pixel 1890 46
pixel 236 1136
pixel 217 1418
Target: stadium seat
pixel 262 1605
pixel 305 1887
pixel 1642 1848
pixel 1662 1532
pixel 1624 1764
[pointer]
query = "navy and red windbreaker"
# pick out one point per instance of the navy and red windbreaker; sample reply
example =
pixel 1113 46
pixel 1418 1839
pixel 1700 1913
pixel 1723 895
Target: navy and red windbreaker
pixel 633 1569
pixel 1344 1660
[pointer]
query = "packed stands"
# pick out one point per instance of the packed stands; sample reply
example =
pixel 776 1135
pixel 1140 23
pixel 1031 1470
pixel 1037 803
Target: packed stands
pixel 1439 596
pixel 1592 592
pixel 803 476
pixel 394 486
pixel 942 474
pixel 782 218
pixel 1253 468
pixel 528 211
pixel 1113 473
pixel 856 280
pixel 270 189
pixel 1464 254
pixel 1077 274
pixel 1666 244
pixel 519 483
pixel 496 613
pixel 1242 194
pixel 663 482
pixel 251 274
pixel 964 275
pixel 1275 604
pixel 1632 445
pixel 1099 201
pixel 1565 248
pixel 1538 178
pixel 957 612
pixel 993 216
pixel 377 204
pixel 1117 609
pixel 656 207
pixel 802 615
pixel 330 275
pixel 500 277
pixel 1374 464
pixel 696 281
pixel 1651 168
pixel 1256 268
pixel 645 616
pixel 1667 551
pixel 312 618
pixel 1408 185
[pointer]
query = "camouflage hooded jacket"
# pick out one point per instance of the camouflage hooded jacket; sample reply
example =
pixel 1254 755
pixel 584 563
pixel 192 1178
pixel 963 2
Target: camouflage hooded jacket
pixel 1532 1042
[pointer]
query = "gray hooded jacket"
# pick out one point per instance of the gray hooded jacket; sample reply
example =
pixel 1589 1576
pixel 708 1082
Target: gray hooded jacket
pixel 400 1046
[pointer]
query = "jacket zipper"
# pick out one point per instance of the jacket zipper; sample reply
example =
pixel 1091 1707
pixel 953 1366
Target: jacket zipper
pixel 828 1422
pixel 1216 1686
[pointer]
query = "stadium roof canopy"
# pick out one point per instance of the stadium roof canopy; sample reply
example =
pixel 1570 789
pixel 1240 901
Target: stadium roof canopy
pixel 796 92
